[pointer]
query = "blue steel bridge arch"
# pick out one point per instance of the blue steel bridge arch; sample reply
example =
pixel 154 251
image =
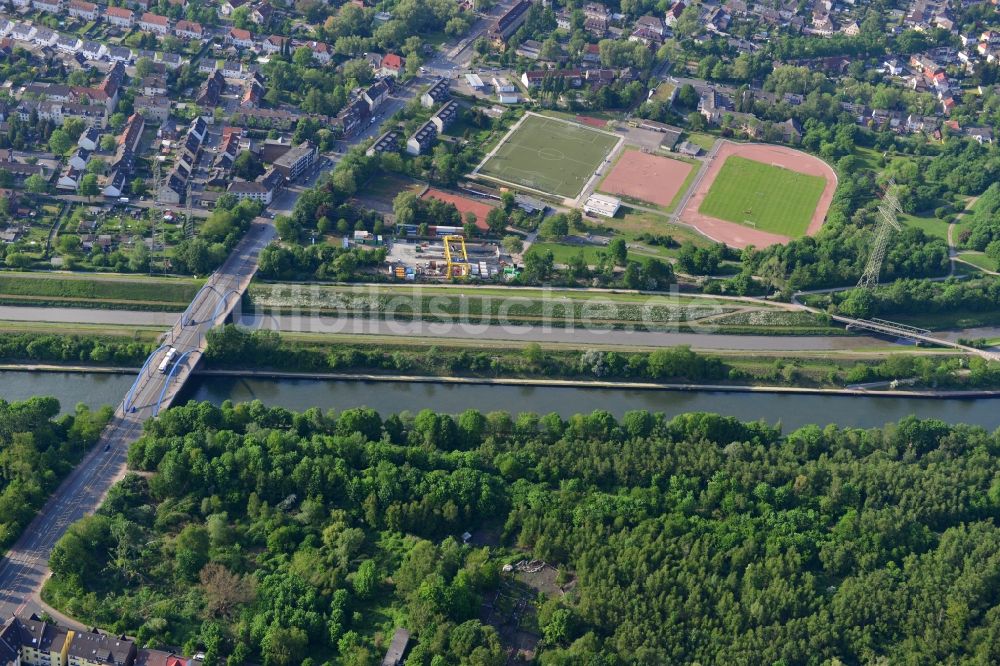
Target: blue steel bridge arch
pixel 222 303
pixel 170 377
pixel 185 321
pixel 127 404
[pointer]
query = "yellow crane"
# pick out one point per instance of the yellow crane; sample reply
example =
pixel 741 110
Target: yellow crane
pixel 456 267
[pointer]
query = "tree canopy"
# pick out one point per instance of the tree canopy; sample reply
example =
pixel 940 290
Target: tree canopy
pixel 304 537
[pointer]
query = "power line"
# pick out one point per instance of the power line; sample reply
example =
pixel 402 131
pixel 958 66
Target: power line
pixel 887 223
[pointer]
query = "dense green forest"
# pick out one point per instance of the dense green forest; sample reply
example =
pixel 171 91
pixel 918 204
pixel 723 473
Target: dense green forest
pixel 307 538
pixel 37 449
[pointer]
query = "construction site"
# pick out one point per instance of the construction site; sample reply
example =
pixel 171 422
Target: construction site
pixel 449 257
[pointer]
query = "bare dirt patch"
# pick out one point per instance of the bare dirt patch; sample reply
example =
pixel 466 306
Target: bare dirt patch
pixel 647 177
pixel 739 235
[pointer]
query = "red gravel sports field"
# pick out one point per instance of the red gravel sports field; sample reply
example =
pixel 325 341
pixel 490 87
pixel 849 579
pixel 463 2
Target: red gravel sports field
pixel 646 177
pixel 741 235
pixel 463 204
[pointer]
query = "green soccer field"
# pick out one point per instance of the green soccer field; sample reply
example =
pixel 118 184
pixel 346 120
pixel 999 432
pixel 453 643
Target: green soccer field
pixel 766 197
pixel 550 155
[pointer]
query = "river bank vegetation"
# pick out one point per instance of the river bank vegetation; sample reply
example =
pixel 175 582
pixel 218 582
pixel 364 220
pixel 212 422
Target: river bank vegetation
pixel 232 347
pixel 308 538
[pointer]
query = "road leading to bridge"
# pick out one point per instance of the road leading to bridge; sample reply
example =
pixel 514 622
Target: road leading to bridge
pixel 25 567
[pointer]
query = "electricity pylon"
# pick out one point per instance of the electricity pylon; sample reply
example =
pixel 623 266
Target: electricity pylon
pixel 887 223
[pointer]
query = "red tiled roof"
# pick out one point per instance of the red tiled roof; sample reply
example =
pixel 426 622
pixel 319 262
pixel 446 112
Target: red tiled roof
pixel 154 19
pixel 392 61
pixel 120 12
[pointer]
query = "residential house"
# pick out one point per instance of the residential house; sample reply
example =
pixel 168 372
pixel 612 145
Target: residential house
pixel 23 32
pixel 69 43
pixel 121 54
pixel 422 139
pixel 229 6
pixel 261 13
pixel 125 156
pixel 713 105
pixel 596 10
pixel 253 93
pixel 321 52
pixel 273 44
pixel 51 6
pixel 375 94
pixel 90 647
pixel 29 640
pixel 119 16
pixel 596 27
pixel 351 117
pixel 592 54
pixel 45 37
pixel 980 134
pixel 69 179
pixel 50 91
pixel 438 92
pixel 154 84
pixel 653 24
pixel 530 49
pixel 297 160
pixel 79 159
pixel 82 9
pixel 241 39
pixel 446 116
pixel 93 50
pixel 387 143
pixel 392 65
pixel 189 30
pixel 154 108
pixel 173 190
pixel 210 91
pixel 266 118
pixel 261 190
pixel 534 78
pixel 233 69
pixel 646 36
pixel 90 139
pixel 507 25
pixel 169 60
pixel 21 172
pixel 676 10
pixel 154 23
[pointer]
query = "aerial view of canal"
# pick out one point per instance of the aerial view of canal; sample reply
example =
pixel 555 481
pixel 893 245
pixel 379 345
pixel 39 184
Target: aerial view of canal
pixel 791 410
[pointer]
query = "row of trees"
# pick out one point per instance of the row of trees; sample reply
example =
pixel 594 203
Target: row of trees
pixel 38 447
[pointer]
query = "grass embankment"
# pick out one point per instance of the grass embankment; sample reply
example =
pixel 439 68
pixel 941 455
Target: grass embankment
pixel 90 291
pixel 563 309
pixel 980 260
